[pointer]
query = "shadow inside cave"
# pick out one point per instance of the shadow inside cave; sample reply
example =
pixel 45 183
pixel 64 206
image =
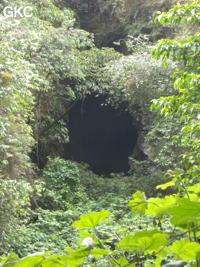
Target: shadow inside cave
pixel 101 136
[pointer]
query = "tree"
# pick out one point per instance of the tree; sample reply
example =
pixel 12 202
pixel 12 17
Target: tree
pixel 184 105
pixel 40 60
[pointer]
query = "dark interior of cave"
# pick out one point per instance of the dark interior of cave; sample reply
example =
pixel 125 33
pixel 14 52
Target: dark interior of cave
pixel 101 136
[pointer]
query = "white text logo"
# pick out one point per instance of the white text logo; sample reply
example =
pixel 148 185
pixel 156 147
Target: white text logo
pixel 16 12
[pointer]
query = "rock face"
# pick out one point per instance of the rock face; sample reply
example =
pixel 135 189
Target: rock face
pixel 112 20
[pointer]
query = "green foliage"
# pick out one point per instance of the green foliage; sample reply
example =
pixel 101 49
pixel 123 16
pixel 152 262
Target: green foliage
pixel 62 184
pixel 163 230
pixel 131 82
pixel 50 230
pixel 184 106
pixel 64 67
pixel 142 176
pixel 136 79
pixel 43 61
pixel 139 247
pixel 149 242
pixel 16 77
pixel 159 245
pixel 14 210
pixel 163 148
pixel 187 13
pixel 47 231
pixel 184 249
pixel 59 172
pixel 186 213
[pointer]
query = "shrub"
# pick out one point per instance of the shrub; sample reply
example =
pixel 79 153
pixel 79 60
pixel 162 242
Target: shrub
pixel 50 231
pixel 142 177
pixel 14 210
pixel 62 184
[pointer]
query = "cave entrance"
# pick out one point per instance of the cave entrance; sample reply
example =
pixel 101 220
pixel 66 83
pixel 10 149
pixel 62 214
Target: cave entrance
pixel 101 136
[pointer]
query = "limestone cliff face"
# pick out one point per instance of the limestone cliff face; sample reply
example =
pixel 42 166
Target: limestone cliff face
pixel 111 20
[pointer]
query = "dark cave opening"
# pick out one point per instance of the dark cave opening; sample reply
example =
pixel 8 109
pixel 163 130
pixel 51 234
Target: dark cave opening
pixel 101 136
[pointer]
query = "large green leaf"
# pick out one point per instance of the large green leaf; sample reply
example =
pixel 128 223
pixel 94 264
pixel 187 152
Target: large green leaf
pixel 166 185
pixel 91 220
pixel 33 260
pixel 56 261
pixel 98 252
pixel 139 203
pixel 184 249
pixel 146 241
pixel 76 256
pixel 158 206
pixel 186 213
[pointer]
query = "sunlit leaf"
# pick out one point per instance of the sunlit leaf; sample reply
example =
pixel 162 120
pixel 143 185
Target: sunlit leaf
pixel 185 213
pixel 98 252
pixel 32 260
pixel 139 203
pixel 147 241
pixel 166 185
pixel 158 206
pixel 184 249
pixel 91 220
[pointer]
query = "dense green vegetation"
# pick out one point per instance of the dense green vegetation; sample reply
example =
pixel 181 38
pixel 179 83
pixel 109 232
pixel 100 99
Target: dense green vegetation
pixel 57 212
